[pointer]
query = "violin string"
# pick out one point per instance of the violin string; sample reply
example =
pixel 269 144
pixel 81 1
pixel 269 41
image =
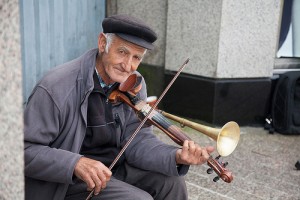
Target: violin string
pixel 159 118
pixel 143 121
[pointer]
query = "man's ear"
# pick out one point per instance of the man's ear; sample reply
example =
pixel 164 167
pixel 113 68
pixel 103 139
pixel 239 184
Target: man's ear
pixel 101 42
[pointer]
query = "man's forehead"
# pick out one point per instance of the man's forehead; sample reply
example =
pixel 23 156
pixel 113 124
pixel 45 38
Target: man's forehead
pixel 121 43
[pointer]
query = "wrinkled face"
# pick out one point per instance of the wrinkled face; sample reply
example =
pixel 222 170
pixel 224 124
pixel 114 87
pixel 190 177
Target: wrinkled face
pixel 121 60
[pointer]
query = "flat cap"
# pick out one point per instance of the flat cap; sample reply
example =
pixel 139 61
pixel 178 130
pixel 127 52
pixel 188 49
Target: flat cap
pixel 130 29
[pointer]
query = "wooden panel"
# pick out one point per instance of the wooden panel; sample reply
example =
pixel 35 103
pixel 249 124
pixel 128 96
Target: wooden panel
pixel 56 31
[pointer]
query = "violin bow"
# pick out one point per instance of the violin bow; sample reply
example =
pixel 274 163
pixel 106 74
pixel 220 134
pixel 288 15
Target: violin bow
pixel 144 120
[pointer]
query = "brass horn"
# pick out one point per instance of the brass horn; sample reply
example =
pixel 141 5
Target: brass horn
pixel 227 137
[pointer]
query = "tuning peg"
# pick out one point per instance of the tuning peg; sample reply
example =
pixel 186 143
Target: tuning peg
pixel 225 164
pixel 217 158
pixel 216 179
pixel 209 170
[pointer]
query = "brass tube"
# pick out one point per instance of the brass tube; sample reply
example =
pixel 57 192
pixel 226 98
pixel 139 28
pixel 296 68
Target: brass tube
pixel 227 137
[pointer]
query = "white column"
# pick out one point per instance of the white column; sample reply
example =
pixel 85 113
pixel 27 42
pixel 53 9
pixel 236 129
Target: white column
pixel 11 114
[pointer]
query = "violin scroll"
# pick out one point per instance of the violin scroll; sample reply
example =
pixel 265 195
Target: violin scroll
pixel 132 85
pixel 219 168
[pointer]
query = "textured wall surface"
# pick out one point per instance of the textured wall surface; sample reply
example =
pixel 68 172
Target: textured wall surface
pixel 11 123
pixel 193 29
pixel 153 12
pixel 224 39
pixel 248 38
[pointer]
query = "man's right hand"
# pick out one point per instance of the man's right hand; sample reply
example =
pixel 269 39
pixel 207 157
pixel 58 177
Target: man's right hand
pixel 93 172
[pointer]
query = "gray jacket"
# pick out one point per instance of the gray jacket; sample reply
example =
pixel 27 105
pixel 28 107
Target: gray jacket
pixel 55 125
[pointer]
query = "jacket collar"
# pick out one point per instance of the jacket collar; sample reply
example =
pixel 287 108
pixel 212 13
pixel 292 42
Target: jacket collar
pixel 87 68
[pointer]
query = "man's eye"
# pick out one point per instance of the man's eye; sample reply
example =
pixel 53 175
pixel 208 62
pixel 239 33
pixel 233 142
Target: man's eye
pixel 121 52
pixel 137 58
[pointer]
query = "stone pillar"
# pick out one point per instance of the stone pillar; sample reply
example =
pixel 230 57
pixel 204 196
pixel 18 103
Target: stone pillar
pixel 224 39
pixel 11 120
pixel 232 47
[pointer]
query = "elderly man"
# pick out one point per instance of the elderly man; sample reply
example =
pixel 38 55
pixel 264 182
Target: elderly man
pixel 73 133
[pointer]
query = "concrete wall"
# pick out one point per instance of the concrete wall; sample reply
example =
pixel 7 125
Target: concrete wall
pixel 11 121
pixel 224 39
pixel 193 30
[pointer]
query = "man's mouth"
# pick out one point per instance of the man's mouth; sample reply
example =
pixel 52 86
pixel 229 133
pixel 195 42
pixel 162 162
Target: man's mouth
pixel 121 69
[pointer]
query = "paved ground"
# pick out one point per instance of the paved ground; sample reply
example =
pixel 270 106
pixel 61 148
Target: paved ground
pixel 263 166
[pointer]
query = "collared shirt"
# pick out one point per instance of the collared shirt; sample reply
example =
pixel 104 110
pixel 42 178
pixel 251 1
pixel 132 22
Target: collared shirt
pixel 102 83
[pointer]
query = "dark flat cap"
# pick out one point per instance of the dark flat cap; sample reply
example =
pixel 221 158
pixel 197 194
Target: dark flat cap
pixel 130 29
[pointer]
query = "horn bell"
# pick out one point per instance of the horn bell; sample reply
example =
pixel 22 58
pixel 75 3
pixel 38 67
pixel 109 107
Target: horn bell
pixel 227 137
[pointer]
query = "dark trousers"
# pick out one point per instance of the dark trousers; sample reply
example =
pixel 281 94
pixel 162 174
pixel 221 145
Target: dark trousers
pixel 129 183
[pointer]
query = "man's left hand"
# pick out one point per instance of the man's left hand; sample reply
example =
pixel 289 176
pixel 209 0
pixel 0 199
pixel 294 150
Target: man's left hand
pixel 192 154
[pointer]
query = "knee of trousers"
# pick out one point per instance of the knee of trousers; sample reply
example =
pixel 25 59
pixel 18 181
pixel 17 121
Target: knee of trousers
pixel 138 196
pixel 175 182
pixel 172 188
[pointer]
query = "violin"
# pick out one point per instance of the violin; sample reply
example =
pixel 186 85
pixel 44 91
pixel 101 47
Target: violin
pixel 126 93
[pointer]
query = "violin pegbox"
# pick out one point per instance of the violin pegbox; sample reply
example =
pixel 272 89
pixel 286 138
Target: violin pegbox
pixel 133 84
pixel 219 167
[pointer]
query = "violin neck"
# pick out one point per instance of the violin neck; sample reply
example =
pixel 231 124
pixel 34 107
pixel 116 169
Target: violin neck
pixel 175 133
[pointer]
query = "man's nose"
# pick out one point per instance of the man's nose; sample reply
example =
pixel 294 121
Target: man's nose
pixel 128 64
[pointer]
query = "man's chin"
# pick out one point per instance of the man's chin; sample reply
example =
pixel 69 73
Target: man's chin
pixel 121 79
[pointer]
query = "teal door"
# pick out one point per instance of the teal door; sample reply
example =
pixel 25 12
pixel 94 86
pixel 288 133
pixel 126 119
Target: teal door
pixel 56 31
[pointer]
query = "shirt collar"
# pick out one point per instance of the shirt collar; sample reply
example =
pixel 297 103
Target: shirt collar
pixel 102 83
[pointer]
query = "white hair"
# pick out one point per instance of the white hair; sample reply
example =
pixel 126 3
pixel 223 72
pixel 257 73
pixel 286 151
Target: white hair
pixel 109 39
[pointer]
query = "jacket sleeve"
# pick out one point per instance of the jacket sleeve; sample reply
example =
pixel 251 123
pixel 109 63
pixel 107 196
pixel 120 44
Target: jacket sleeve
pixel 42 121
pixel 148 152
